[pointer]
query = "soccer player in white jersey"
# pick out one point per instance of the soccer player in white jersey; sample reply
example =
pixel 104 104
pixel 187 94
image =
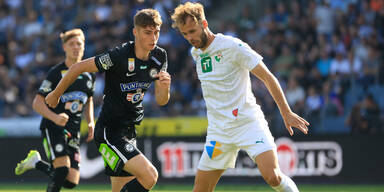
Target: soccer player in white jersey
pixel 235 121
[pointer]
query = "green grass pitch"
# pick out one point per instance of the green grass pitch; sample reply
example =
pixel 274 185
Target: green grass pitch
pixel 17 187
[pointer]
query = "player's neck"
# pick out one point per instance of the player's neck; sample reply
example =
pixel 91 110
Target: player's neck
pixel 69 62
pixel 141 53
pixel 210 38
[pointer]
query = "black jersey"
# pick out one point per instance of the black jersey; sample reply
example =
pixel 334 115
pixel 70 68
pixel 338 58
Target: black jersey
pixel 73 100
pixel 127 78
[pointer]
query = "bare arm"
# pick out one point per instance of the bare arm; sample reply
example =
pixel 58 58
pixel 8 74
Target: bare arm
pixel 89 116
pixel 88 65
pixel 162 87
pixel 273 86
pixel 40 107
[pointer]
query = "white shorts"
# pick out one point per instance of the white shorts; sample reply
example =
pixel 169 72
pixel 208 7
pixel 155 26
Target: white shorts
pixel 222 146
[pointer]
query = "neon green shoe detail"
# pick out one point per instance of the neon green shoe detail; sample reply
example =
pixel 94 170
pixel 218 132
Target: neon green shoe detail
pixel 28 163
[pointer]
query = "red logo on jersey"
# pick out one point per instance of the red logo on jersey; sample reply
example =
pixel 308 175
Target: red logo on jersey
pixel 234 112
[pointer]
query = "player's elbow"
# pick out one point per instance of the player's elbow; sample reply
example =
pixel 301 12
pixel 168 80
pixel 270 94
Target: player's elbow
pixel 36 102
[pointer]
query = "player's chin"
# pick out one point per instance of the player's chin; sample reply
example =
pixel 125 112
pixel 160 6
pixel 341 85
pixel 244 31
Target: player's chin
pixel 152 46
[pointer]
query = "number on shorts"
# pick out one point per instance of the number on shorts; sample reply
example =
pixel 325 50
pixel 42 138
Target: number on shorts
pixel 109 156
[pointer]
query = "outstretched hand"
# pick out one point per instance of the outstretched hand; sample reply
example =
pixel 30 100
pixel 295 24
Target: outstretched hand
pixel 293 120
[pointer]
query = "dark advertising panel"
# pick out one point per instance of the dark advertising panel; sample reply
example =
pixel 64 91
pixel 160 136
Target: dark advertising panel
pixel 331 159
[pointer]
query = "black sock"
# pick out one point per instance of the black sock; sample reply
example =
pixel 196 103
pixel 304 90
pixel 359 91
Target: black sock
pixel 133 185
pixel 58 179
pixel 45 167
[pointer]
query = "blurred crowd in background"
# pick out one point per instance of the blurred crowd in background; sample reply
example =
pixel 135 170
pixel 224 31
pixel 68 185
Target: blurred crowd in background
pixel 327 55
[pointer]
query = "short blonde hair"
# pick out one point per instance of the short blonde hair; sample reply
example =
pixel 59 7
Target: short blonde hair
pixel 65 36
pixel 147 17
pixel 182 12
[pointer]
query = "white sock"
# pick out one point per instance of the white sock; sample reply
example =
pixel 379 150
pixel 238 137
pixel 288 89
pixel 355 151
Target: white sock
pixel 286 185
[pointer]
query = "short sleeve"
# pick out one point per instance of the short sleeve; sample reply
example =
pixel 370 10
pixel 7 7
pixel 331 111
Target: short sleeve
pixel 246 57
pixel 92 89
pixel 108 60
pixel 164 67
pixel 49 83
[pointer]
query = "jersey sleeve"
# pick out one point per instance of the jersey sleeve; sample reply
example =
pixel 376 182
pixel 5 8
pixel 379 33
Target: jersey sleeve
pixel 164 67
pixel 50 82
pixel 92 89
pixel 193 54
pixel 108 60
pixel 246 57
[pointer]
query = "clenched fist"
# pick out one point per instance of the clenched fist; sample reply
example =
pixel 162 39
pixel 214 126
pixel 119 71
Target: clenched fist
pixel 61 119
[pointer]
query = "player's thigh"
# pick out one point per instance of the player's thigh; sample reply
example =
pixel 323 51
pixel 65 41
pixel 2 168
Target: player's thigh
pixel 255 138
pixel 73 176
pixel 268 166
pixel 118 182
pixel 55 144
pixel 141 167
pixel 205 181
pixel 61 161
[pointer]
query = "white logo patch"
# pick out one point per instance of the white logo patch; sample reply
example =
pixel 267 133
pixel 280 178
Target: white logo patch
pixel 153 72
pixel 156 61
pixel 59 148
pixel 129 147
pixel 89 84
pixel 105 61
pixel 131 64
pixel 74 106
pixel 46 86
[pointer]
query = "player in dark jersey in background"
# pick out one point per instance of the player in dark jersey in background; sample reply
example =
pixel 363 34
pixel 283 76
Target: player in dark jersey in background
pixel 129 70
pixel 60 125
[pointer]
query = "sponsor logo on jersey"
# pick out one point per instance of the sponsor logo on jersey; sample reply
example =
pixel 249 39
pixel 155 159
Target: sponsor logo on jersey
pixel 153 72
pixel 235 112
pixel 89 84
pixel 63 72
pixel 46 86
pixel 143 67
pixel 130 74
pixel 105 61
pixel 218 57
pixel 75 106
pixel 134 85
pixel 135 97
pixel 129 147
pixel 206 64
pixel 131 64
pixel 155 60
pixel 74 95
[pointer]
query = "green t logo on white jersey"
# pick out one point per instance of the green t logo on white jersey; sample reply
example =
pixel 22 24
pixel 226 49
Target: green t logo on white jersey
pixel 206 64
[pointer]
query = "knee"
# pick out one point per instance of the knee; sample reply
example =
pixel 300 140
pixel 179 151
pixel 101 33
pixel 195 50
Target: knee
pixel 69 185
pixel 273 179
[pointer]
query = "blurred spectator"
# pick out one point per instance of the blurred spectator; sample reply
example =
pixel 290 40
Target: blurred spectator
pixel 324 18
pixel 295 95
pixel 317 49
pixel 365 117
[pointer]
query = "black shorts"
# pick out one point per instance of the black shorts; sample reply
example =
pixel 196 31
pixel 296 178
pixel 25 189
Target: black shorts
pixel 57 144
pixel 117 146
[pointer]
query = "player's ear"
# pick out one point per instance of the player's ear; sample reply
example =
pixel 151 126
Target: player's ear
pixel 134 31
pixel 63 46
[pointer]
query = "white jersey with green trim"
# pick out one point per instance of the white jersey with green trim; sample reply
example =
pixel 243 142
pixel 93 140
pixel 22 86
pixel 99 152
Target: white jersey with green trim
pixel 223 70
